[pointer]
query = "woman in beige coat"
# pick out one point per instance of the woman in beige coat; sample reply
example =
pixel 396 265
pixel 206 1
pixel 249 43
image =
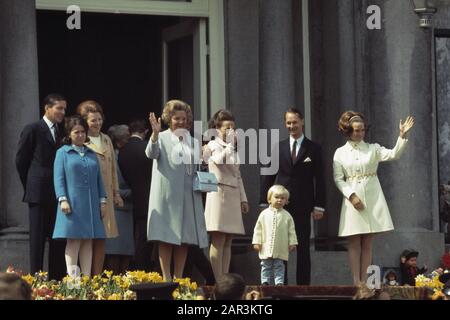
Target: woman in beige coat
pixel 92 112
pixel 224 208
pixel 364 209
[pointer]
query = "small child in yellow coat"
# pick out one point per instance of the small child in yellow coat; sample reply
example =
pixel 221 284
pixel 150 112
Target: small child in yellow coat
pixel 274 236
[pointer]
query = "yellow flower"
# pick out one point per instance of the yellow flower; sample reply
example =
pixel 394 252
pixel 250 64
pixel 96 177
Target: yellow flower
pixel 96 278
pixel 115 296
pixel 437 294
pixel 29 279
pixel 129 295
pixel 108 273
pixel 176 295
pixel 99 294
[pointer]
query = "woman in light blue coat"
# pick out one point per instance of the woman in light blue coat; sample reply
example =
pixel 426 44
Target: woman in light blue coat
pixel 81 196
pixel 175 216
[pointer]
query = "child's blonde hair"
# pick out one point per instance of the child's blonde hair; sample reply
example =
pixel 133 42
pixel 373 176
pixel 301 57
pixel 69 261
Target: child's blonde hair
pixel 278 189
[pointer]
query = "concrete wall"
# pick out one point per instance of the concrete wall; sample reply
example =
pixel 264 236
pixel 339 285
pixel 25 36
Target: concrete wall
pixel 19 99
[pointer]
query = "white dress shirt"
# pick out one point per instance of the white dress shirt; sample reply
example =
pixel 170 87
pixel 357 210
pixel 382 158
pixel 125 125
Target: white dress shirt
pixel 299 143
pixel 51 126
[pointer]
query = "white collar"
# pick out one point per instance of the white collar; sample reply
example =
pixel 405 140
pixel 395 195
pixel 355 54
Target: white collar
pixel 299 140
pixel 137 136
pixel 354 144
pixel 48 122
pixel 275 209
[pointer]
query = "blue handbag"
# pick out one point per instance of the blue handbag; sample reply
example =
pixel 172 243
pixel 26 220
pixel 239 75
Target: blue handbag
pixel 205 182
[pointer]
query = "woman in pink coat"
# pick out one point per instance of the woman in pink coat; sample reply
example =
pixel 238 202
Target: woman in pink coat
pixel 224 208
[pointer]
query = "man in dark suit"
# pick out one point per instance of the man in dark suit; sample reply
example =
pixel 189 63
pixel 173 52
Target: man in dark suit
pixel 300 171
pixel 136 169
pixel 34 162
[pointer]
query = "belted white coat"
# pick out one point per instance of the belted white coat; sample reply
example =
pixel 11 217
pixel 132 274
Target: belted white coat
pixel 355 171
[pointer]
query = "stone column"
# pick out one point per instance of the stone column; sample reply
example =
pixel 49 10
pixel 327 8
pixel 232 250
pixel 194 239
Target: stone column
pixel 242 63
pixel 19 96
pixel 387 74
pixel 276 63
pixel 401 71
pixel 277 81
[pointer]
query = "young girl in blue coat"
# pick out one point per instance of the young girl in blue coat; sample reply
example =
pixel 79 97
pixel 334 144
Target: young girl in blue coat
pixel 81 197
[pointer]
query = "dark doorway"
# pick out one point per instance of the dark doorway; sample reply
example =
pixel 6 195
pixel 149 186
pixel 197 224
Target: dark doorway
pixel 114 59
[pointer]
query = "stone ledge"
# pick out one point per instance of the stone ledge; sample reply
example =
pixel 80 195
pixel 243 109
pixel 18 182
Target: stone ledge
pixel 14 234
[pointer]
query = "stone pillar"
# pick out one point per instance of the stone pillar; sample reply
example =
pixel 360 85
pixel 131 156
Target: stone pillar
pixel 242 62
pixel 335 50
pixel 401 64
pixel 276 63
pixel 19 99
pixel 387 74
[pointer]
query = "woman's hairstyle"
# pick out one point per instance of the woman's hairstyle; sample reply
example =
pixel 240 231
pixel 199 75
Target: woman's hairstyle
pixel 52 99
pixel 89 106
pixel 72 122
pixel 173 106
pixel 222 115
pixel 277 189
pixel 117 133
pixel 346 120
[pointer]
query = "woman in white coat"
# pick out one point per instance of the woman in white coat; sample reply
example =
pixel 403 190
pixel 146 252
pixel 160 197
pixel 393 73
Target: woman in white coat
pixel 364 209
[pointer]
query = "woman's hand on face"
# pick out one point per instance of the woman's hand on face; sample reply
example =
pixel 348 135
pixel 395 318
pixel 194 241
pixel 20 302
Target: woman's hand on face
pixel 65 207
pixel 231 136
pixel 406 126
pixel 356 202
pixel 156 126
pixel 244 207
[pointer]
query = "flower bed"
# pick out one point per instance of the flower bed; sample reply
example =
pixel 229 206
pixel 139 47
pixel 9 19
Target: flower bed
pixel 101 287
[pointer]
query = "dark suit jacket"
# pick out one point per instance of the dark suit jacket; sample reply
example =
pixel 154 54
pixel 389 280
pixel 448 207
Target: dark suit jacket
pixel 304 180
pixel 34 162
pixel 136 169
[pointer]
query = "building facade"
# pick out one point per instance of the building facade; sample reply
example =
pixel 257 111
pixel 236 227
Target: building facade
pixel 256 57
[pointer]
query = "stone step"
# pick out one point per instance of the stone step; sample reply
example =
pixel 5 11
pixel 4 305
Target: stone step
pixel 14 249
